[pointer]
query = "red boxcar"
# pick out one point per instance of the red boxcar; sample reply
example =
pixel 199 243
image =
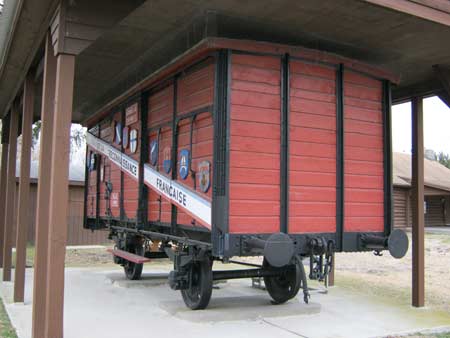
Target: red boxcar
pixel 243 149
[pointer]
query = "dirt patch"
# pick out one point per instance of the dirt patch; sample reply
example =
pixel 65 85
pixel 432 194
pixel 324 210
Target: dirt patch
pixel 388 277
pixel 88 257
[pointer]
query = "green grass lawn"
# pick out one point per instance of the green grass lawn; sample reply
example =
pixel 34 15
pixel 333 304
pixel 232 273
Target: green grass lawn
pixel 6 329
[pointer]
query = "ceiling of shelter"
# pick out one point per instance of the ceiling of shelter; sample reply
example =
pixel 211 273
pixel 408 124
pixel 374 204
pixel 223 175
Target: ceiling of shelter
pixel 159 30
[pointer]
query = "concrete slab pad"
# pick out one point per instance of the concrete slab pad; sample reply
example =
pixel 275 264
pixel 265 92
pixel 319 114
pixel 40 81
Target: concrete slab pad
pixel 101 303
pixel 148 279
pixel 223 308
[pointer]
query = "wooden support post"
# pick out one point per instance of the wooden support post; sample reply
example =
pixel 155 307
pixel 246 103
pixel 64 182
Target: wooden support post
pixel 3 181
pixel 43 192
pixel 59 194
pixel 418 221
pixel 10 192
pixel 24 190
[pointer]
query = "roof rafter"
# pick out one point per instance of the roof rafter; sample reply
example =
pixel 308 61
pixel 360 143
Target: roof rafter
pixel 431 10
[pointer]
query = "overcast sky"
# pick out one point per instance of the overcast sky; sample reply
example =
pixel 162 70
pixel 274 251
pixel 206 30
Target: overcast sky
pixel 436 126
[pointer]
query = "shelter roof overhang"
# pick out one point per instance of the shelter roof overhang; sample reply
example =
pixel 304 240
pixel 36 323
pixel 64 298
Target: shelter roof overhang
pixel 155 33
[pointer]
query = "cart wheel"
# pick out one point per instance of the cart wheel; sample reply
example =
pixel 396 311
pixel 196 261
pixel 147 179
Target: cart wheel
pixel 284 287
pixel 132 270
pixel 197 296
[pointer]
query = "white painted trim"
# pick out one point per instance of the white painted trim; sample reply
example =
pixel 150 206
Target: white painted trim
pixel 176 193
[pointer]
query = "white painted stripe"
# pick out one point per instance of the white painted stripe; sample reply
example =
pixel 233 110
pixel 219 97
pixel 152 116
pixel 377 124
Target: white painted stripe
pixel 178 194
pixel 126 163
pixel 175 192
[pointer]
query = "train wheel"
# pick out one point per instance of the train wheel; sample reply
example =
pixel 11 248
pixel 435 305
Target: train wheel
pixel 197 296
pixel 285 286
pixel 132 270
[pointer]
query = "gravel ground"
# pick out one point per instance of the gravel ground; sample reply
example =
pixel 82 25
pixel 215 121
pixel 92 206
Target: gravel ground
pixel 388 277
pixel 88 257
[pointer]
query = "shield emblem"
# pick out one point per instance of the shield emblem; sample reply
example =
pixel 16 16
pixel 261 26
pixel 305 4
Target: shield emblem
pixel 167 161
pixel 184 163
pixel 118 133
pixel 91 164
pixel 133 140
pixel 154 152
pixel 125 137
pixel 204 169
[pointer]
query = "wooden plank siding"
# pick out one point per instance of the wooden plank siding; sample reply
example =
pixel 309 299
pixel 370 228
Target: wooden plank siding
pixel 160 114
pixel 130 184
pixel 312 148
pixel 76 234
pixel 195 91
pixel 254 144
pixel 112 172
pixel 363 154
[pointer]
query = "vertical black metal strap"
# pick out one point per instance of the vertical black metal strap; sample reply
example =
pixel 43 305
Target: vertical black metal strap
pixel 86 187
pixel 143 158
pixel 122 177
pixel 98 158
pixel 340 157
pixel 387 143
pixel 191 137
pixel 221 122
pixel 284 143
pixel 158 142
pixel 174 211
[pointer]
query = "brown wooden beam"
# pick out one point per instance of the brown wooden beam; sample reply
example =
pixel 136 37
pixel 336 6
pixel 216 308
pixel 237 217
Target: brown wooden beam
pixel 76 24
pixel 10 192
pixel 418 221
pixel 24 190
pixel 43 193
pixel 59 194
pixel 3 181
pixel 429 10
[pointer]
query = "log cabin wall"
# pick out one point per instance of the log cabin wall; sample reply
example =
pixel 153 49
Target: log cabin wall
pixel 76 234
pixel 401 208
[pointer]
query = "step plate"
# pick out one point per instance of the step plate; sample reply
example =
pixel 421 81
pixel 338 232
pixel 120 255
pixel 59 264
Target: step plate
pixel 129 256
